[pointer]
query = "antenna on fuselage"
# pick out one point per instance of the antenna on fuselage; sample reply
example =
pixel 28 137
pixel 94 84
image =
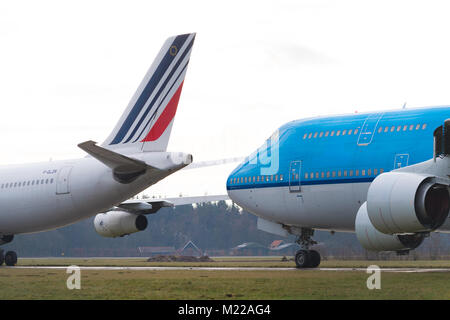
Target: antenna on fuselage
pixel 404 105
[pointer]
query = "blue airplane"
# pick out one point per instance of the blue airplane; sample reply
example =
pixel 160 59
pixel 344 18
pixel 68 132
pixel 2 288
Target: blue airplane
pixel 383 175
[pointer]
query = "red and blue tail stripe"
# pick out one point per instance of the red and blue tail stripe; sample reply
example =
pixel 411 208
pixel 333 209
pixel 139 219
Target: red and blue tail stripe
pixel 154 105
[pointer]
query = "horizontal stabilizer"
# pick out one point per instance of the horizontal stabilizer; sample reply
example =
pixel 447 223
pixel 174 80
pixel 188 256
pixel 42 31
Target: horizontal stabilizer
pixel 146 206
pixel 125 169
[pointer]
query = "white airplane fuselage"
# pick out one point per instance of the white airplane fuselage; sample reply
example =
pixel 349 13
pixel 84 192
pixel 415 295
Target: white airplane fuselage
pixel 47 195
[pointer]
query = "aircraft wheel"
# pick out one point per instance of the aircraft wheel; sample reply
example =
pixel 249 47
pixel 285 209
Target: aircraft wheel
pixel 2 257
pixel 10 258
pixel 302 259
pixel 314 257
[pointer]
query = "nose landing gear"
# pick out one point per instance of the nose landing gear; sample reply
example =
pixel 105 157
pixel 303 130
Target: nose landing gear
pixel 305 258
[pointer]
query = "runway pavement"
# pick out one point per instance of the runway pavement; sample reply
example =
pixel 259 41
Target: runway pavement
pixel 406 270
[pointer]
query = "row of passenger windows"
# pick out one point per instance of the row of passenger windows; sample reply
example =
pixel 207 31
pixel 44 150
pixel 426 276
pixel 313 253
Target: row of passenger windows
pixel 406 127
pixel 311 175
pixel 26 183
pixel 255 179
pixel 344 132
pixel 341 173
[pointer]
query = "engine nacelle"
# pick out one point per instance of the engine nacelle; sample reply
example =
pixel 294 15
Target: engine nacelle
pixel 119 223
pixel 373 240
pixel 400 202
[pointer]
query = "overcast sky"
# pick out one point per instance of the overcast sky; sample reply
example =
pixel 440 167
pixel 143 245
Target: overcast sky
pixel 69 68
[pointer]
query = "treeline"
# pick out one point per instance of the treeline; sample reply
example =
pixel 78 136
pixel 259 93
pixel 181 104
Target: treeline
pixel 210 226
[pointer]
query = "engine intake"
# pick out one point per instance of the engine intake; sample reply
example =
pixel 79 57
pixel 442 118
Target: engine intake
pixel 400 202
pixel 119 223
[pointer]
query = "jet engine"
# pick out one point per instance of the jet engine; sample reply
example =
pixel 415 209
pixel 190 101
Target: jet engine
pixel 119 223
pixel 400 202
pixel 373 240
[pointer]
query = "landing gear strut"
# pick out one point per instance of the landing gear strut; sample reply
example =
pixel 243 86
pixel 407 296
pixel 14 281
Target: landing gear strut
pixel 10 258
pixel 305 258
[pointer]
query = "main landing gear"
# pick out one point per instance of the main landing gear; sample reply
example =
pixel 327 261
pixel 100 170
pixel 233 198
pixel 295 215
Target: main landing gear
pixel 305 258
pixel 10 258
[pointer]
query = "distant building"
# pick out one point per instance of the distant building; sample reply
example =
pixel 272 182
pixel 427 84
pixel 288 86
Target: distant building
pixel 250 249
pixel 154 251
pixel 279 247
pixel 190 249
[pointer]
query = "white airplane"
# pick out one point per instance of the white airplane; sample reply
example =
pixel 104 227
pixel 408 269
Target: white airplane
pixel 44 196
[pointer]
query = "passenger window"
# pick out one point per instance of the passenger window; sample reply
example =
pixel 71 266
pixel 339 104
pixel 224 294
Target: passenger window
pixel 363 172
pixel 328 174
pixel 380 129
pixel 315 134
pixel 306 175
pixel 386 129
pixel 350 132
pixel 345 173
pixel 320 135
pixel 257 179
pixel 356 172
pixel 411 127
pixel 322 174
pixel 398 128
pixel 381 171
pixel 369 172
pixel 392 128
pixel 424 126
pixel 2 185
pixel 305 135
pixel 338 133
pixel 351 173
pixel 405 127
pixel 417 127
pixel 375 171
pixel 42 181
pixel 333 174
pixel 276 177
pixel 332 133
pixel 339 173
pixel 327 133
pixel 310 135
pixel 317 175
pixel 281 177
pixel 15 184
pixel 19 184
pixel 344 132
pixel 271 178
pixel 356 131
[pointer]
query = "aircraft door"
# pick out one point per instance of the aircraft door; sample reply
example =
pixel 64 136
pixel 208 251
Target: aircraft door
pixel 62 181
pixel 294 176
pixel 368 129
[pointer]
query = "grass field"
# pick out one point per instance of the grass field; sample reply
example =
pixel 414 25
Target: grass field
pixel 187 284
pixel 202 284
